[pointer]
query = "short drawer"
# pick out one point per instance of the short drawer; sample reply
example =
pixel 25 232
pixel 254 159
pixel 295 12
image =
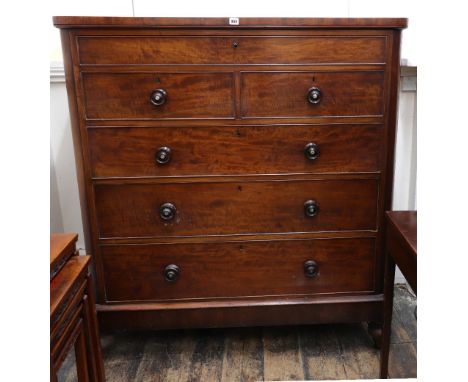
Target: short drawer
pixel 224 208
pixel 166 50
pixel 146 96
pixel 217 270
pixel 311 94
pixel 133 152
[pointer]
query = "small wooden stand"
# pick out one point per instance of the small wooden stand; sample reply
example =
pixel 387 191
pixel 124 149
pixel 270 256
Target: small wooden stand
pixel 73 320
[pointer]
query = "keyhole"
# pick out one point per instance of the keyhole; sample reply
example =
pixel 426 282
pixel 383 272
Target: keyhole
pixel 235 44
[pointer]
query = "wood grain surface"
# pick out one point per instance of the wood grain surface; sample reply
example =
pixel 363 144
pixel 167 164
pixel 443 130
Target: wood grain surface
pixel 132 210
pixel 284 94
pixel 238 269
pixel 130 151
pixel 189 95
pixel 157 50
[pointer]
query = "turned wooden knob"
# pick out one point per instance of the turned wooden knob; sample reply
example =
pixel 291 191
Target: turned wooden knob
pixel 311 151
pixel 314 95
pixel 171 273
pixel 163 155
pixel 310 268
pixel 158 97
pixel 167 211
pixel 311 208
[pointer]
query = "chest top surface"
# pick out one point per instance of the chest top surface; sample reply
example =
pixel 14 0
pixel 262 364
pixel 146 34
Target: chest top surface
pixel 216 22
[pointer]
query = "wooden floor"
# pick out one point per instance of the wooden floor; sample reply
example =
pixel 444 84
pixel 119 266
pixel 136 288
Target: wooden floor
pixel 313 352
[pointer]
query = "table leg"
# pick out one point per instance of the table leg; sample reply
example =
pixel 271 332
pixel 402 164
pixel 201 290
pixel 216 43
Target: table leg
pixel 92 329
pixel 389 281
pixel 80 355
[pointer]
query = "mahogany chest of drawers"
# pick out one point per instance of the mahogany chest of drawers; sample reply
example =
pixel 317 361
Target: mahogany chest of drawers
pixel 234 175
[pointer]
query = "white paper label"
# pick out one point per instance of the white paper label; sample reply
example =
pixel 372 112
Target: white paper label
pixel 233 20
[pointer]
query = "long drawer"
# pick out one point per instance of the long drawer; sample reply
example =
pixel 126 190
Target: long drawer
pixel 211 270
pixel 304 94
pixel 150 50
pixel 224 208
pixel 187 95
pixel 133 152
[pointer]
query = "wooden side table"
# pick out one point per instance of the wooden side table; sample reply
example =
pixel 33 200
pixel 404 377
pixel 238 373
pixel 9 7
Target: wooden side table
pixel 401 250
pixel 73 320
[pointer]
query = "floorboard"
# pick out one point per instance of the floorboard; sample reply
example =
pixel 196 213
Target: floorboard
pixel 402 361
pixel 315 352
pixel 207 359
pixel 360 357
pixel 243 355
pixel 321 353
pixel 282 360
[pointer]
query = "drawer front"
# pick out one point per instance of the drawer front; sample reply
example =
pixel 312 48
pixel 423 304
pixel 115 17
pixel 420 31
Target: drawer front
pixel 130 152
pixel 150 50
pixel 286 94
pixel 235 208
pixel 187 95
pixel 214 270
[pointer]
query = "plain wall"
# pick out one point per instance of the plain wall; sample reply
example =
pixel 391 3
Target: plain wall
pixel 65 213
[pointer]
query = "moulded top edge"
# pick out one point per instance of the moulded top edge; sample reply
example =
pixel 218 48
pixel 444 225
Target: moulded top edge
pixel 224 22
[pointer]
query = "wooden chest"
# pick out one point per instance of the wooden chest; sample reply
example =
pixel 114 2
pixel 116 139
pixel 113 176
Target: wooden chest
pixel 234 175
